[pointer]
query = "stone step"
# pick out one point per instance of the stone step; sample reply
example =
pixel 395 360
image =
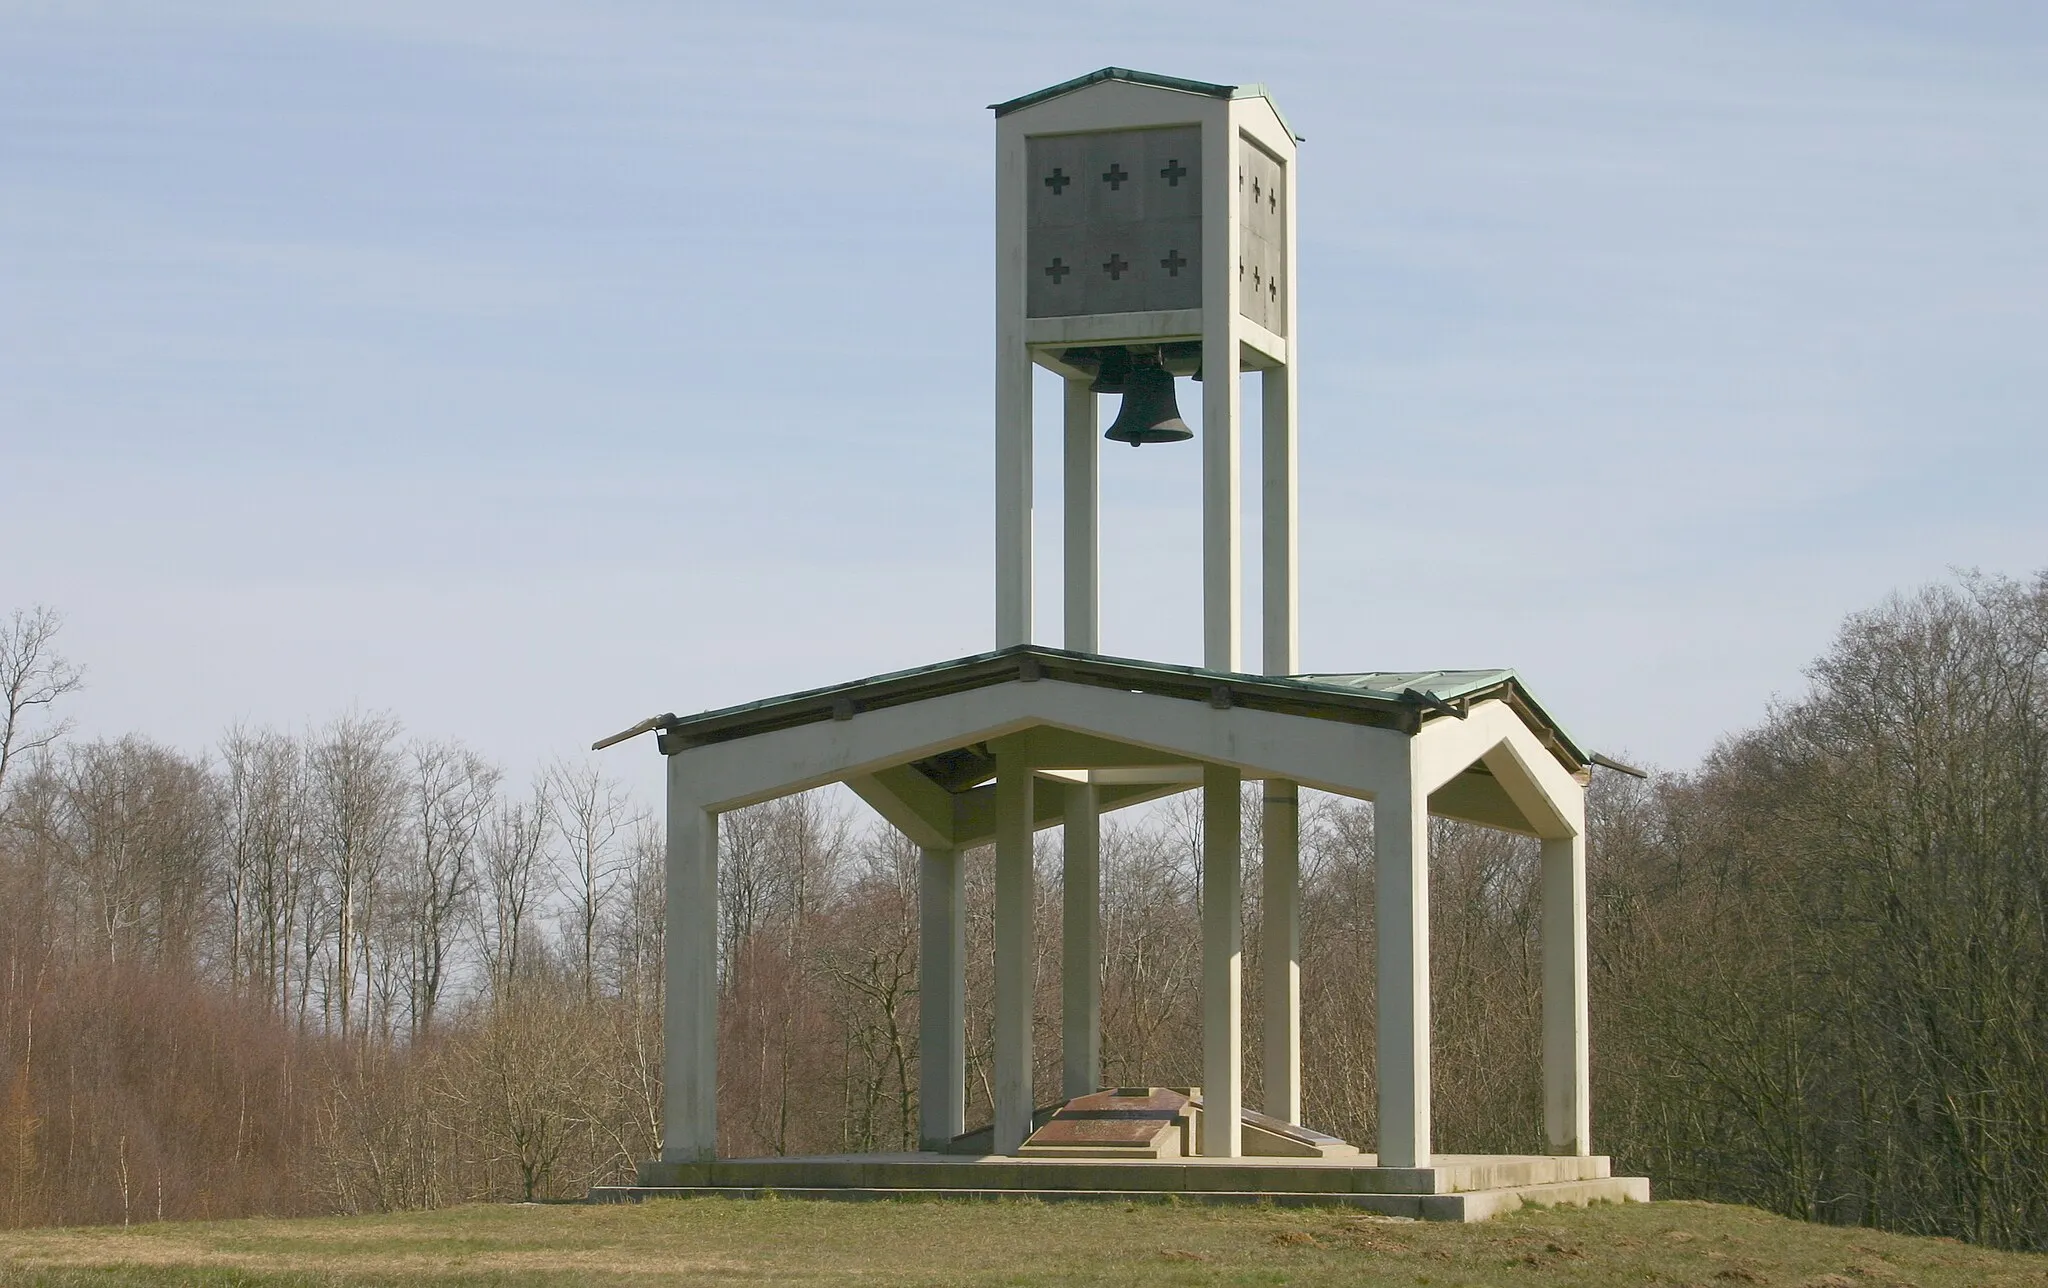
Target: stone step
pixel 1451 1174
pixel 1478 1205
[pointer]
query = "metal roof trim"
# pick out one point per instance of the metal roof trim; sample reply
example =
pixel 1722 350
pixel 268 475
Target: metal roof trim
pixel 1153 80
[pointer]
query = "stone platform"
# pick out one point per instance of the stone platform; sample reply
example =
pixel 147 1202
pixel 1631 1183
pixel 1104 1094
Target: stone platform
pixel 1457 1187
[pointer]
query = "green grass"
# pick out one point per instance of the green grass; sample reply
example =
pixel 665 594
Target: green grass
pixel 787 1241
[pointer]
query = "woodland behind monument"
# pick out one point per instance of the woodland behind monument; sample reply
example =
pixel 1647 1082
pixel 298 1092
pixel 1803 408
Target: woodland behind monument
pixel 345 968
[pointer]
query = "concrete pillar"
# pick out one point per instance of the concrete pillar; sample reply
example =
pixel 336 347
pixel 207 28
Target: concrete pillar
pixel 1013 965
pixel 1222 966
pixel 1081 945
pixel 942 997
pixel 1280 536
pixel 1082 493
pixel 1013 403
pixel 1567 1071
pixel 1280 949
pixel 1222 543
pixel 1401 865
pixel 1279 545
pixel 689 1106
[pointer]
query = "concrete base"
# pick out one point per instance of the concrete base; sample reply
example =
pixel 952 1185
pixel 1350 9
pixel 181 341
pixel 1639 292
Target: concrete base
pixel 1456 1187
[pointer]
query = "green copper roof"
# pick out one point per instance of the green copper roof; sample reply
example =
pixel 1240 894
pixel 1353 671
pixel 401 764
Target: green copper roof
pixel 1441 684
pixel 1403 700
pixel 1153 79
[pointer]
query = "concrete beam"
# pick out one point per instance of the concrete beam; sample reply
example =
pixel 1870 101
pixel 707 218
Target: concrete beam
pixel 913 804
pixel 1349 759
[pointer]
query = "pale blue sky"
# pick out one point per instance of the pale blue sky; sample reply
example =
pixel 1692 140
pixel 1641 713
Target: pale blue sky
pixel 524 369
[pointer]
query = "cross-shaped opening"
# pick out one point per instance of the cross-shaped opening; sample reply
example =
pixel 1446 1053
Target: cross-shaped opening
pixel 1173 172
pixel 1115 177
pixel 1116 267
pixel 1173 263
pixel 1255 188
pixel 1058 181
pixel 1056 270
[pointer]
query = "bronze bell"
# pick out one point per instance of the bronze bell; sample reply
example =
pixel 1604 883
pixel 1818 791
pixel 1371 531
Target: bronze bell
pixel 1149 413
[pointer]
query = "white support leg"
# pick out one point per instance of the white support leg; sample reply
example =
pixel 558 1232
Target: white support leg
pixel 1083 500
pixel 1567 1078
pixel 942 997
pixel 1013 965
pixel 689 1106
pixel 1280 949
pixel 1280 538
pixel 1013 402
pixel 1081 946
pixel 1222 535
pixel 1401 862
pixel 1222 966
pixel 1013 496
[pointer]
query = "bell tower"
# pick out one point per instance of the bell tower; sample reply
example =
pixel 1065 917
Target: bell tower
pixel 1145 233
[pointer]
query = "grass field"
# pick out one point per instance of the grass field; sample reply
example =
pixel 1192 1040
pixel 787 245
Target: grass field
pixel 786 1241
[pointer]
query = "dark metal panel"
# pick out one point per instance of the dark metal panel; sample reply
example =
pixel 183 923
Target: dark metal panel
pixel 1114 222
pixel 1262 238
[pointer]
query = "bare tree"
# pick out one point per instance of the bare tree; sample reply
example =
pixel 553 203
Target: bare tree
pixel 33 675
pixel 264 827
pixel 589 811
pixel 357 794
pixel 451 793
pixel 133 825
pixel 514 853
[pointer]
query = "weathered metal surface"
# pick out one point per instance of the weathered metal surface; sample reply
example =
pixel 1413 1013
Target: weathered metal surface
pixel 1262 239
pixel 1113 222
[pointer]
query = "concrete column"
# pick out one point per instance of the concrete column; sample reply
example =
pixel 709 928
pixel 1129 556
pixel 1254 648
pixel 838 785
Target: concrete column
pixel 1280 949
pixel 1222 537
pixel 1222 966
pixel 1013 966
pixel 942 997
pixel 1083 538
pixel 689 1026
pixel 1401 865
pixel 1013 498
pixel 1280 540
pixel 1013 402
pixel 1279 545
pixel 1081 945
pixel 1567 1070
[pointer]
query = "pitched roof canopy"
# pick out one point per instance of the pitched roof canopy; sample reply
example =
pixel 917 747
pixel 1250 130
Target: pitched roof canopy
pixel 1403 700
